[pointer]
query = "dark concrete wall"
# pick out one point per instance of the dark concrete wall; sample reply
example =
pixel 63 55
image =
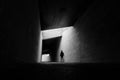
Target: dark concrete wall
pixel 21 24
pixel 98 32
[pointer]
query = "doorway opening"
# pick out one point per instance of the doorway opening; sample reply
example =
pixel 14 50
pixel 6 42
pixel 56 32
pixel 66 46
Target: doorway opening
pixel 50 49
pixel 50 45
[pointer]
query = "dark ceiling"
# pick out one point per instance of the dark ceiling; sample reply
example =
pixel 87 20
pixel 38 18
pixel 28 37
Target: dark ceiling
pixel 61 13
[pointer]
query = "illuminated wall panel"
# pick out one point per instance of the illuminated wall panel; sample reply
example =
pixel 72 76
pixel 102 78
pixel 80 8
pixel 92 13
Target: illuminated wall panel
pixel 47 34
pixel 40 48
pixel 70 45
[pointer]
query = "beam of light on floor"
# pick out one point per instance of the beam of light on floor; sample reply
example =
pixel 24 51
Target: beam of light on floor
pixel 52 33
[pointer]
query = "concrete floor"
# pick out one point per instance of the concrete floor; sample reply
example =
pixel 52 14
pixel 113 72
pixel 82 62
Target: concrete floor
pixel 57 71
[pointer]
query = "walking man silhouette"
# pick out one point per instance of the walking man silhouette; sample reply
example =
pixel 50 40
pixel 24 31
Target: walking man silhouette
pixel 62 56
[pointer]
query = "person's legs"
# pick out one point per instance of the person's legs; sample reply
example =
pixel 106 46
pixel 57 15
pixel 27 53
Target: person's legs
pixel 62 59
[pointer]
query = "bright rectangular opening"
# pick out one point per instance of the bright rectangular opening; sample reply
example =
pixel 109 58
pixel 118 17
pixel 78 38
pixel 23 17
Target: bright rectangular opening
pixel 48 34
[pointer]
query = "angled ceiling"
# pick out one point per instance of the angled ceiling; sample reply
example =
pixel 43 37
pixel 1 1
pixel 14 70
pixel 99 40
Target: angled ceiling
pixel 61 13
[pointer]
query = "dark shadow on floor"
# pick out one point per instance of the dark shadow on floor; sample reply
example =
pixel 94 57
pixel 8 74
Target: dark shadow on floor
pixel 58 71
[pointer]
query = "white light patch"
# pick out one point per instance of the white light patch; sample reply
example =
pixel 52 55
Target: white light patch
pixel 40 48
pixel 47 34
pixel 45 57
pixel 70 45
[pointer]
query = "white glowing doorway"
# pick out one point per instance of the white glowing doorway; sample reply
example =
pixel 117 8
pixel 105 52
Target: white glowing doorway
pixel 48 35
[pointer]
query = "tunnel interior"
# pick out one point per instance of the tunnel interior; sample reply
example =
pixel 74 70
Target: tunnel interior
pixel 93 39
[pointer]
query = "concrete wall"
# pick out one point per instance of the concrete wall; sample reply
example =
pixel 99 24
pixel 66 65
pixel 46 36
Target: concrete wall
pixel 40 43
pixel 21 20
pixel 70 45
pixel 95 36
pixel 99 26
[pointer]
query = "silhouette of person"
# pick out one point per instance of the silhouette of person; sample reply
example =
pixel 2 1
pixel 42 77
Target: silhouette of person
pixel 62 56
